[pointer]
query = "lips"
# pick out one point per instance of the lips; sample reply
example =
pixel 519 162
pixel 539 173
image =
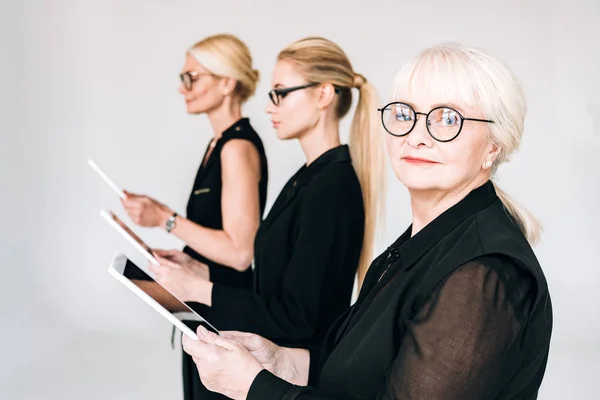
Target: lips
pixel 418 160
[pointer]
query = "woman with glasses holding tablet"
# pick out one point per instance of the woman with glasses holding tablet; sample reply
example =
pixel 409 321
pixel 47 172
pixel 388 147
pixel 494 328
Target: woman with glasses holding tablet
pixel 229 192
pixel 458 307
pixel 320 230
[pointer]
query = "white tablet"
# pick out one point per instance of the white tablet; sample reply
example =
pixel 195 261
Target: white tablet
pixel 156 296
pixel 128 234
pixel 106 179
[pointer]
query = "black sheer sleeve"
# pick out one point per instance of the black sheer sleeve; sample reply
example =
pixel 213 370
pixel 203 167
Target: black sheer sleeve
pixel 456 345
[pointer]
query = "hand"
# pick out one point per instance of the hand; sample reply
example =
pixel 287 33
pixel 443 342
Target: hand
pixel 266 352
pixel 224 365
pixel 288 364
pixel 179 258
pixel 145 211
pixel 188 280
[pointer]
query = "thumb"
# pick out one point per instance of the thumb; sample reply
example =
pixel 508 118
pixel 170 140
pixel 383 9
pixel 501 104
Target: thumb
pixel 212 338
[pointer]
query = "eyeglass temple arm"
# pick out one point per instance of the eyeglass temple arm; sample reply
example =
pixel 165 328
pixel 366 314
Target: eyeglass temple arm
pixel 479 120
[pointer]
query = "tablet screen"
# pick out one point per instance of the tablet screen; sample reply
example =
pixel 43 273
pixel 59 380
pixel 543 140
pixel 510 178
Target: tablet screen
pixel 179 309
pixel 130 233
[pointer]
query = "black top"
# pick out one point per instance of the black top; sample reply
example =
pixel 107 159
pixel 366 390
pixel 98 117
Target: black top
pixel 306 255
pixel 459 311
pixel 204 208
pixel 204 205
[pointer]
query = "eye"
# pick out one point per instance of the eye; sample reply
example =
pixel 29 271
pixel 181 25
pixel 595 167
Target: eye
pixel 450 117
pixel 403 114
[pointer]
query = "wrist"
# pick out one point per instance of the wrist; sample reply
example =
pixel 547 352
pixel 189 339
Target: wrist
pixel 253 373
pixel 293 365
pixel 204 292
pixel 168 219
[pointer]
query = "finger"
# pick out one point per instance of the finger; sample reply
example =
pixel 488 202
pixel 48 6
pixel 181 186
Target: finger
pixel 235 334
pixel 212 338
pixel 247 340
pixel 160 252
pixel 196 348
pixel 167 263
pixel 155 269
pixel 172 253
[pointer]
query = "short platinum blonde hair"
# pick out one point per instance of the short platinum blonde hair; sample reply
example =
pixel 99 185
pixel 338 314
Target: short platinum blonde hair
pixel 458 73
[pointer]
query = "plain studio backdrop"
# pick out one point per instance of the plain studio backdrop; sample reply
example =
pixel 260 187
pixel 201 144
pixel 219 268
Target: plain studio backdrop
pixel 98 79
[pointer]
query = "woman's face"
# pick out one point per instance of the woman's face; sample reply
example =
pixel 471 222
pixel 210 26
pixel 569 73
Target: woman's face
pixel 297 111
pixel 422 163
pixel 206 93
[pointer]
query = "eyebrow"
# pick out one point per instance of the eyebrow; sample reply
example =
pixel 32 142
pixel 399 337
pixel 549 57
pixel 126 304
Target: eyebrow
pixel 451 105
pixel 436 105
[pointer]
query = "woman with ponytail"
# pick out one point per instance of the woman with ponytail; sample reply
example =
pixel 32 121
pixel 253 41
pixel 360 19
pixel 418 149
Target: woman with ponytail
pixel 320 230
pixel 458 307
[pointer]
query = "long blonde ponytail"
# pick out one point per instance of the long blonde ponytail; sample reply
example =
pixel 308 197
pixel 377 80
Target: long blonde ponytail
pixel 527 223
pixel 366 147
pixel 321 60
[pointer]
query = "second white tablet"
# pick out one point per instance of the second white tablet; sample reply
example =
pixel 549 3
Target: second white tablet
pixel 128 234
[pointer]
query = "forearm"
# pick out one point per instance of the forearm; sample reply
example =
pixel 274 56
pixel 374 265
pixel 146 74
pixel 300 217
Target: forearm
pixel 216 245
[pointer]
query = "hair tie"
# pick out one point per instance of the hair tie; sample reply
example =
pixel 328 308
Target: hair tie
pixel 359 80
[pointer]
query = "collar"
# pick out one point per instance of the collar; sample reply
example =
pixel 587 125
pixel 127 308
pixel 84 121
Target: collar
pixel 337 154
pixel 302 177
pixel 413 248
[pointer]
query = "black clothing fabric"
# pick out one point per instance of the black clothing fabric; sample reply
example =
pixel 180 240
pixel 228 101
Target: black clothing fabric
pixel 204 208
pixel 306 255
pixel 204 204
pixel 461 310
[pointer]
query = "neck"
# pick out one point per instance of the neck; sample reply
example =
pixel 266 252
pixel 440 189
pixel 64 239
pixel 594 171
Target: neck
pixel 427 205
pixel 319 140
pixel 224 116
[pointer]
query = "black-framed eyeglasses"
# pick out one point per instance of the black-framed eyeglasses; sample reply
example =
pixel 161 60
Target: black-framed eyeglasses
pixel 443 123
pixel 188 78
pixel 277 94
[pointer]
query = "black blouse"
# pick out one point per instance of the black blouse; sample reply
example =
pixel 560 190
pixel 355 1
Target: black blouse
pixel 204 208
pixel 459 311
pixel 306 255
pixel 204 204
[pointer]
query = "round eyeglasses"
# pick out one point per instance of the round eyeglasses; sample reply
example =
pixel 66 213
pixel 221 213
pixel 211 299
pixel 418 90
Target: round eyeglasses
pixel 443 123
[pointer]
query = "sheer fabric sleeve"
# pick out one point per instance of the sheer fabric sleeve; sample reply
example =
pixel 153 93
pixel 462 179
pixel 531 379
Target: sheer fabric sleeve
pixel 457 342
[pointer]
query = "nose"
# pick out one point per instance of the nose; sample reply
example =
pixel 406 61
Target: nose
pixel 270 108
pixel 419 136
pixel 181 88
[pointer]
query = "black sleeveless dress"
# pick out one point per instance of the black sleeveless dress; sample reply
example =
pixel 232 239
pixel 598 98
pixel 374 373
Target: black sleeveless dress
pixel 204 208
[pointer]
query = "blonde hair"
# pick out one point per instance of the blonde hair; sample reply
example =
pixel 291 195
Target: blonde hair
pixel 455 72
pixel 226 55
pixel 321 60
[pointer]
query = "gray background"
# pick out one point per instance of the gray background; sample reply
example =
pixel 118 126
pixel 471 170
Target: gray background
pixel 98 79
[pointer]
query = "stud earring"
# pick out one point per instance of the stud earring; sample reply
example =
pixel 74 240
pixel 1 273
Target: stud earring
pixel 487 164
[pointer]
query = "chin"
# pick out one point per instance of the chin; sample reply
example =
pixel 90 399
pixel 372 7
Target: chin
pixel 283 135
pixel 419 179
pixel 193 110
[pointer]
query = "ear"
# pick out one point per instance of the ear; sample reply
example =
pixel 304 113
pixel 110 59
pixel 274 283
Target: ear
pixel 228 85
pixel 492 153
pixel 326 93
